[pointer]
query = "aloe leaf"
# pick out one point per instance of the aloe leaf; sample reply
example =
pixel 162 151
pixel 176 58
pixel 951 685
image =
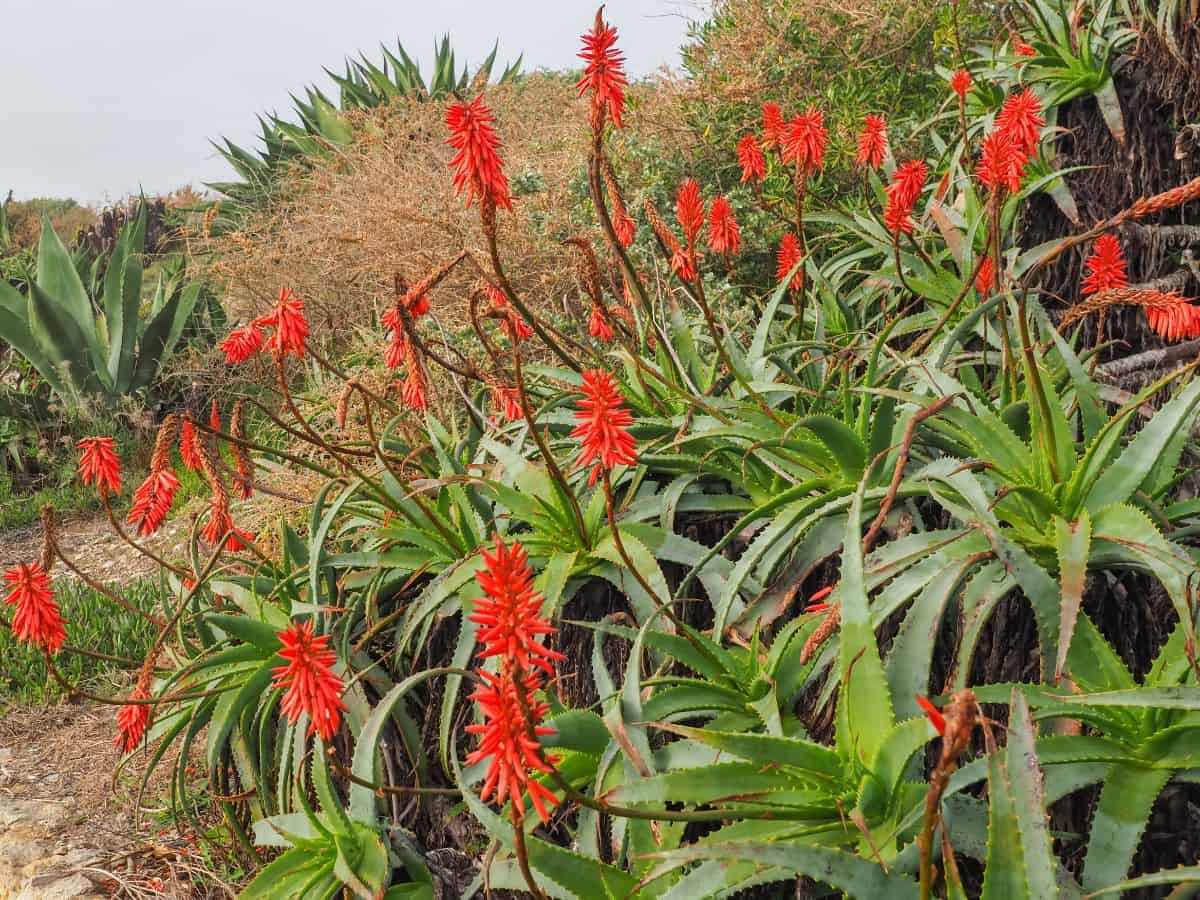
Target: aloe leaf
pixel 864 715
pixel 162 334
pixel 1029 801
pixel 1126 799
pixel 122 297
pixel 1072 543
pixel 853 875
pixel 15 331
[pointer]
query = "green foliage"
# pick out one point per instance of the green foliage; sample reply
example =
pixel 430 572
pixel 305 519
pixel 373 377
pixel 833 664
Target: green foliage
pixel 84 344
pixel 93 623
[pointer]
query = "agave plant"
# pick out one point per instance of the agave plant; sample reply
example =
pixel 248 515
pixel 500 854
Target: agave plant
pixel 88 345
pixel 364 85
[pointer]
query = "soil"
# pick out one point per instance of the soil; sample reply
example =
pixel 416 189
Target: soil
pixel 70 825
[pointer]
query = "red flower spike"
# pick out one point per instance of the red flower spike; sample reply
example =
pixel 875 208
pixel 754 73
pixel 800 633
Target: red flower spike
pixel 625 228
pixel 960 83
pixel 214 416
pixel 311 685
pixel 804 141
pixel 1106 266
pixel 872 142
pixel 477 165
pixel 1020 48
pixel 132 722
pixel 604 72
pixel 933 714
pixel 773 124
pixel 291 328
pixel 1001 163
pixel 508 737
pixel 100 464
pixel 37 620
pixel 510 613
pixel 1020 118
pixel 415 392
pixel 985 280
pixel 786 258
pixel 189 445
pixel 242 343
pixel 903 194
pixel 598 326
pixel 508 400
pixel 689 209
pixel 152 501
pixel 514 325
pixel 751 159
pixel 603 425
pixel 724 236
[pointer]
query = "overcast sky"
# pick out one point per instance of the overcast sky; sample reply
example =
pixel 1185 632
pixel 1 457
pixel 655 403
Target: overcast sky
pixel 101 97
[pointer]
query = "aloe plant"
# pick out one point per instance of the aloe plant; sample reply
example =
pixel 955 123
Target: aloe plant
pixel 96 342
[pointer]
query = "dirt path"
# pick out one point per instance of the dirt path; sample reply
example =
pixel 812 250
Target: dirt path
pixel 67 823
pixel 68 827
pixel 91 544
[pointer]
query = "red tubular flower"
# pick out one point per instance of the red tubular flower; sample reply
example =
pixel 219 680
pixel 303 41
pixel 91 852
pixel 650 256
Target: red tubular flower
pixel 625 228
pixel 985 279
pixel 152 501
pixel 37 619
pixel 773 124
pixel 960 83
pixel 751 159
pixel 510 613
pixel 415 392
pixel 100 464
pixel 313 688
pixel 816 603
pixel 873 142
pixel 804 141
pixel 689 209
pixel 132 721
pixel 598 326
pixel 214 416
pixel 1171 316
pixel 1020 118
pixel 1020 48
pixel 604 72
pixel 681 265
pixel 508 737
pixel 242 343
pixel 1001 163
pixel 477 165
pixel 932 713
pixel 723 233
pixel 786 258
pixel 1106 266
pixel 515 326
pixel 902 195
pixel 189 445
pixel 603 425
pixel 508 401
pixel 291 328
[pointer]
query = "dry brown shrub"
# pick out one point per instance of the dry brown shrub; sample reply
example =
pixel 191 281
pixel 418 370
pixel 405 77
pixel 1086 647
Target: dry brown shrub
pixel 338 232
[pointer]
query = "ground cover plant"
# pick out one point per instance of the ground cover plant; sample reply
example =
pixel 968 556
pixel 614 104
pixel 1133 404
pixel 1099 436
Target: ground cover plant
pixel 679 598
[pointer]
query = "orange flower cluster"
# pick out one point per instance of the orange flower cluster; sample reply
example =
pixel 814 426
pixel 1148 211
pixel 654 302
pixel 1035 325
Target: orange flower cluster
pixel 100 465
pixel 312 687
pixel 37 620
pixel 603 425
pixel 902 195
pixel 290 334
pixel 512 630
pixel 604 73
pixel 872 142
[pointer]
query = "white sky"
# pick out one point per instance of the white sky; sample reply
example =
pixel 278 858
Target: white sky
pixel 99 98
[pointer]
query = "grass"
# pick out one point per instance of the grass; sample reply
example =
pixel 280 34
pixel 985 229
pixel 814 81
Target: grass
pixel 94 623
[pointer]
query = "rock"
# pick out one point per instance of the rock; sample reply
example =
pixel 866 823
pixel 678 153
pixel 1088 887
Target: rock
pixel 33 863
